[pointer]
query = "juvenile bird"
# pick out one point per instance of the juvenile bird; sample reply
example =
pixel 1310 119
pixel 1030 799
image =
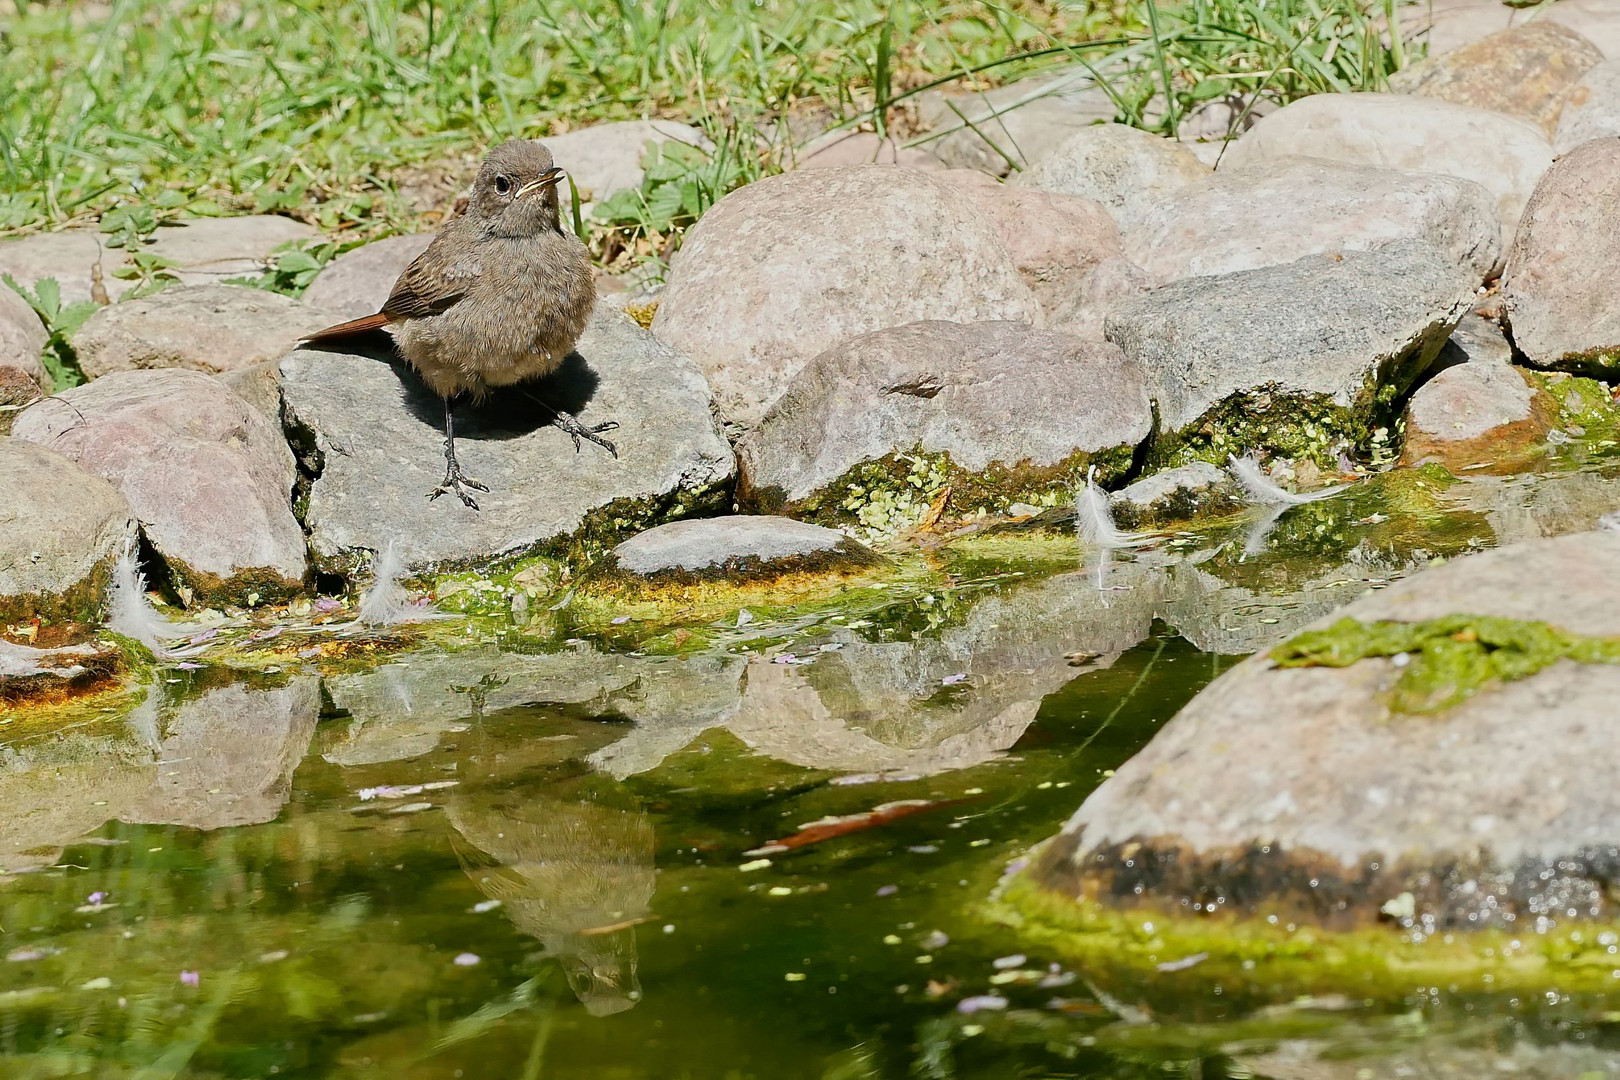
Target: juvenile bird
pixel 499 297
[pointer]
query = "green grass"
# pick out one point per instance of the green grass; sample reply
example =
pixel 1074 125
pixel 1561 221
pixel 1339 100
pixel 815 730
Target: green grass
pixel 323 111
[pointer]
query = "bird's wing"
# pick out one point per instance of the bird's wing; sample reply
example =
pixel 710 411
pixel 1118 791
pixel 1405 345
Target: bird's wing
pixel 434 281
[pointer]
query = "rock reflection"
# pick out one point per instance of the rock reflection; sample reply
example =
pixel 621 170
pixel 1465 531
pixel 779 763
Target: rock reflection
pixel 571 866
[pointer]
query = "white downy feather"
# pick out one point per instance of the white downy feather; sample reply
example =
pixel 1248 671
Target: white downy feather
pixel 131 614
pixel 1095 521
pixel 385 603
pixel 1265 491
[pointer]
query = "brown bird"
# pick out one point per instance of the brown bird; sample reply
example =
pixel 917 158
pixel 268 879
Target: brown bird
pixel 499 297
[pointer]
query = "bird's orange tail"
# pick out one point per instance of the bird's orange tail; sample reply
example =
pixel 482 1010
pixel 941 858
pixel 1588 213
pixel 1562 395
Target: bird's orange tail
pixel 348 329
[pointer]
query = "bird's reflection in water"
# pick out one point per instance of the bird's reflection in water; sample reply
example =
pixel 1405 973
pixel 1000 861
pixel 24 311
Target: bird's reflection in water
pixel 573 867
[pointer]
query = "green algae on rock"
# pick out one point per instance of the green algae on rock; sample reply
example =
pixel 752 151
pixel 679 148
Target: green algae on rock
pixel 870 431
pixel 1446 660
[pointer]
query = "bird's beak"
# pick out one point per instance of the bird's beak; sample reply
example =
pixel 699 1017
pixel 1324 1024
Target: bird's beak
pixel 547 179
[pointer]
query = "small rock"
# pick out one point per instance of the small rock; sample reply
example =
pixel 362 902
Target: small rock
pixel 208 476
pixel 1128 170
pixel 1328 332
pixel 978 403
pixel 18 390
pixel 786 267
pixel 1524 71
pixel 1024 121
pixel 206 251
pixel 1476 340
pixel 1276 213
pixel 838 148
pixel 27 672
pixel 1307 770
pixel 1503 154
pixel 22 335
pixel 373 436
pixel 211 328
pixel 1558 287
pixel 1592 109
pixel 739 548
pixel 1472 412
pixel 1197 489
pixel 357 283
pixel 606 158
pixel 60 530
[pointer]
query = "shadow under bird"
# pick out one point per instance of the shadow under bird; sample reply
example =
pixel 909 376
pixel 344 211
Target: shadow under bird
pixel 499 297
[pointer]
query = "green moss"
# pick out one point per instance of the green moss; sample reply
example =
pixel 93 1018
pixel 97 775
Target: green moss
pixel 1262 959
pixel 1307 427
pixel 878 501
pixel 1449 659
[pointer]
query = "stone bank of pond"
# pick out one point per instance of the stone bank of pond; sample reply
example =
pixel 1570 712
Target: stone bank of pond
pixel 482 852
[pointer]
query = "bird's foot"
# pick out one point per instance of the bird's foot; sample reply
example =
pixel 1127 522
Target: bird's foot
pixel 454 483
pixel 578 431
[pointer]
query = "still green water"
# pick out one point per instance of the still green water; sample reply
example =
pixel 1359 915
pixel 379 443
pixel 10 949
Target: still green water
pixel 471 861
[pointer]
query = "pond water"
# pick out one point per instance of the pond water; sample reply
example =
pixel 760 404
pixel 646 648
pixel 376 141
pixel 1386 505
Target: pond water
pixel 476 862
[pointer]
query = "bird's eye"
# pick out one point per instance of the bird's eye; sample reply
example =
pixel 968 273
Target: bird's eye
pixel 503 185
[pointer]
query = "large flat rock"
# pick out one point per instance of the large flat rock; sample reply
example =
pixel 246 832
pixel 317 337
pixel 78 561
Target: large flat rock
pixel 1498 811
pixel 211 328
pixel 1502 153
pixel 989 397
pixel 373 435
pixel 208 476
pixel 1289 208
pixel 1280 357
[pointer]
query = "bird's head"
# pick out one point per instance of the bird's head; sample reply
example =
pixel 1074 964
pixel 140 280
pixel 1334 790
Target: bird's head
pixel 516 190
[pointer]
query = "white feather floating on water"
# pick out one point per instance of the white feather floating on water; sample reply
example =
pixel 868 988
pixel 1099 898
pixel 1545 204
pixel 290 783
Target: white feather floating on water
pixel 1262 489
pixel 131 614
pixel 1095 521
pixel 385 603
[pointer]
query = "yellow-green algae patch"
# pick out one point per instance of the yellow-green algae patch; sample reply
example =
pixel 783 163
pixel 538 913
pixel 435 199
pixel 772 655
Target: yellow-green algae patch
pixel 880 500
pixel 1449 659
pixel 1150 949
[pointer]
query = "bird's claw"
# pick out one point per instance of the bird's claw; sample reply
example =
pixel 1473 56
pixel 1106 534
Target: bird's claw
pixel 456 484
pixel 578 431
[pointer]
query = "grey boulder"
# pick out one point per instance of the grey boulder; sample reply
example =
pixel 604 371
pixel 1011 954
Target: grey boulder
pixel 1288 208
pixel 1194 490
pixel 357 283
pixel 208 476
pixel 1309 772
pixel 1557 290
pixel 1293 354
pixel 210 328
pixel 1592 109
pixel 1525 71
pixel 742 547
pixel 1127 170
pixel 786 267
pixel 205 251
pixel 1503 154
pixel 60 530
pixel 999 411
pixel 22 335
pixel 605 159
pixel 1019 123
pixel 372 436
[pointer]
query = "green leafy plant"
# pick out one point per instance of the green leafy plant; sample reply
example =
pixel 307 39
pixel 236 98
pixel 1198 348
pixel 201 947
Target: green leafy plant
pixel 61 322
pixel 293 265
pixel 130 227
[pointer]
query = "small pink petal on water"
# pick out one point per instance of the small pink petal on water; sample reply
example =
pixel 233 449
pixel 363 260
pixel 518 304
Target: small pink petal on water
pixel 983 1001
pixel 328 604
pixel 191 978
pixel 466 959
pixel 888 890
pixel 952 680
pixel 1002 963
pixel 95 898
pixel 621 620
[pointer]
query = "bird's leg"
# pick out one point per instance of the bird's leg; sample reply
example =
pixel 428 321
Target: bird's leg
pixel 576 430
pixel 454 480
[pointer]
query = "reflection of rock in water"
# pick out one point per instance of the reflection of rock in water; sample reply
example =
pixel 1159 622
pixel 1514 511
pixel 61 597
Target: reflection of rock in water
pixel 576 875
pixel 227 756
